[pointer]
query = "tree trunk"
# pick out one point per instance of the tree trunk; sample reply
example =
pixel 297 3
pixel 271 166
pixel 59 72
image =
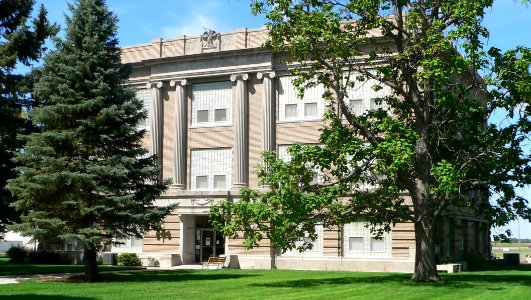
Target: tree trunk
pixel 91 265
pixel 425 260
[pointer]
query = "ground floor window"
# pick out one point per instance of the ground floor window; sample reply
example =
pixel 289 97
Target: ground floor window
pixel 358 240
pixel 317 244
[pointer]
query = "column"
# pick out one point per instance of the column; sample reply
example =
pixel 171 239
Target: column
pixel 156 120
pixel 241 131
pixel 179 142
pixel 268 108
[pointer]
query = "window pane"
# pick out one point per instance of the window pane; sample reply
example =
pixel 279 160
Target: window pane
pixel 201 182
pixel 202 116
pixel 219 182
pixel 356 107
pixel 220 115
pixel 291 111
pixel 377 245
pixel 310 109
pixel 355 244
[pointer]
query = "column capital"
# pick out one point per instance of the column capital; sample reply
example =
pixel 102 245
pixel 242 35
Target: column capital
pixel 181 82
pixel 243 76
pixel 154 84
pixel 261 75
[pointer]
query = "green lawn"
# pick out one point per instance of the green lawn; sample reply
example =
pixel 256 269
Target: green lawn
pixel 279 284
pixel 7 268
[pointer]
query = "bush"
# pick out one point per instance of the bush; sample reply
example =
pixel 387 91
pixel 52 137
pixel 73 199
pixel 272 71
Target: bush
pixel 153 262
pixel 50 258
pixel 129 259
pixel 17 254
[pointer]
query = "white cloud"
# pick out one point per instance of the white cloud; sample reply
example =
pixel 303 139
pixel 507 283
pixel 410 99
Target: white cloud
pixel 194 24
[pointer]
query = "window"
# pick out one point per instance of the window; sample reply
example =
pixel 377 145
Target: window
pixel 285 156
pixel 220 182
pixel 291 111
pixel 202 116
pixel 210 169
pixel 201 182
pixel 358 240
pixel 355 107
pixel 317 244
pixel 355 244
pixel 311 105
pixel 144 95
pixel 220 115
pixel 211 103
pixel 377 244
pixel 310 109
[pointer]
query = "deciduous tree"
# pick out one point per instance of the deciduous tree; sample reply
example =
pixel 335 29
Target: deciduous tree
pixel 429 153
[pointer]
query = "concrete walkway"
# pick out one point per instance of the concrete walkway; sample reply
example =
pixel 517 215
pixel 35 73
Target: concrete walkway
pixel 17 278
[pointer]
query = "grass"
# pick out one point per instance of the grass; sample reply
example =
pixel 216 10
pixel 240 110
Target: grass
pixel 7 268
pixel 278 284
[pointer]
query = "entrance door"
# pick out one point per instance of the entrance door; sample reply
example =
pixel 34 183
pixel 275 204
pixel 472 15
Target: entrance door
pixel 208 242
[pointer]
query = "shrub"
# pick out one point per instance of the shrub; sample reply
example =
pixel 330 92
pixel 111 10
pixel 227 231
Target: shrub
pixel 129 259
pixel 153 262
pixel 17 254
pixel 50 258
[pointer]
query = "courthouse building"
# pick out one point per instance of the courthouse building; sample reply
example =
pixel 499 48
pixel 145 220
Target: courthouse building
pixel 215 102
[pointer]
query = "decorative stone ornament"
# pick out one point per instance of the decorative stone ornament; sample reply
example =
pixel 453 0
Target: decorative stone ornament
pixel 210 39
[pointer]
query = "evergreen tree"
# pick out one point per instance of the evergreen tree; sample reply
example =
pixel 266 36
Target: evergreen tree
pixel 86 175
pixel 20 43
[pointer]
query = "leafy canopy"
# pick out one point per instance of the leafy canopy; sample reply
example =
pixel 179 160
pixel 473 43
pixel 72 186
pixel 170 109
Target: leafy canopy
pixel 430 153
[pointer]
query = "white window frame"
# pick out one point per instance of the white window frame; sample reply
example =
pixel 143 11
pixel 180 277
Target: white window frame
pixel 365 92
pixel 317 244
pixel 211 97
pixel 210 162
pixel 287 95
pixel 359 230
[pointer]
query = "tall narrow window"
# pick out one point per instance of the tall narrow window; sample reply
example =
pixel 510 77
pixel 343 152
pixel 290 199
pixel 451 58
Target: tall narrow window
pixel 144 95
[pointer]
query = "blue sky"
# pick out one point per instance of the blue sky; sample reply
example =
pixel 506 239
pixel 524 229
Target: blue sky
pixel 141 21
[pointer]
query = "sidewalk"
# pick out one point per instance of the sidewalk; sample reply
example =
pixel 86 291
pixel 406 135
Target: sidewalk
pixel 17 278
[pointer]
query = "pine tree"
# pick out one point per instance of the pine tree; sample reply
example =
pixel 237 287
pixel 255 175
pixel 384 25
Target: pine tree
pixel 20 43
pixel 86 175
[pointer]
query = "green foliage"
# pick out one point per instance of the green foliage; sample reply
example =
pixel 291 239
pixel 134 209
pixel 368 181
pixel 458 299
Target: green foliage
pixel 153 262
pixel 129 259
pixel 20 43
pixel 17 254
pixel 432 144
pixel 86 175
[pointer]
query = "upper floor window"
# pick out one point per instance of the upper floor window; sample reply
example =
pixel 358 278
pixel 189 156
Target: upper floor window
pixel 211 103
pixel 363 97
pixel 144 95
pixel 291 107
pixel 211 169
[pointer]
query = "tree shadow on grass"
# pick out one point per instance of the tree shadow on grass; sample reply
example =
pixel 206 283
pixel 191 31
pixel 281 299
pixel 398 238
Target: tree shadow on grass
pixel 173 276
pixel 457 281
pixel 41 297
